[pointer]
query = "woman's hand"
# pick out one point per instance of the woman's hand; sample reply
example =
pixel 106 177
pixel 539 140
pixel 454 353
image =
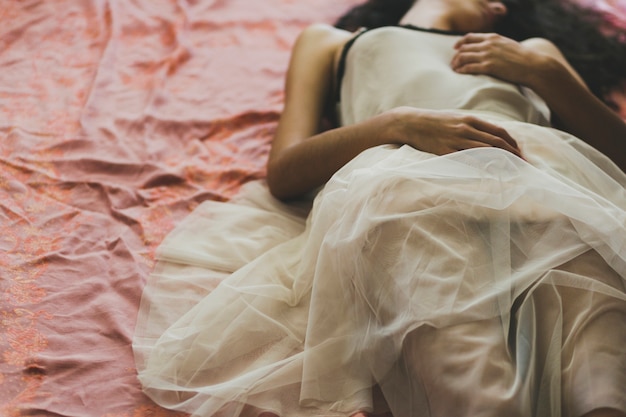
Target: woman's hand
pixel 442 132
pixel 496 55
pixel 538 64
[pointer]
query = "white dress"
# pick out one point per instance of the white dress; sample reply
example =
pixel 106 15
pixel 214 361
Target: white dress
pixel 471 284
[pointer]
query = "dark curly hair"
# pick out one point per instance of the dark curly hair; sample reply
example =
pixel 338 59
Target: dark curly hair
pixel 594 47
pixel 374 13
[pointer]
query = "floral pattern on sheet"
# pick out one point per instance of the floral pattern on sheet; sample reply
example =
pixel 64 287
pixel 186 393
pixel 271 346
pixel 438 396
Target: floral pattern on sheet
pixel 22 243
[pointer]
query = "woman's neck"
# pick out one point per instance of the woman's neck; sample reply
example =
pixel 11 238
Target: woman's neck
pixel 428 15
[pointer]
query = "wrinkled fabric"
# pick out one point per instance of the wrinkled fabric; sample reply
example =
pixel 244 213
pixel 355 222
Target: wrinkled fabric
pixel 117 118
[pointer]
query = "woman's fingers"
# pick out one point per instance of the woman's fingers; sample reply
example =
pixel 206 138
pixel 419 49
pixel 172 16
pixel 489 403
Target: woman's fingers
pixel 442 132
pixel 474 38
pixel 498 137
pixel 472 58
pixel 466 61
pixel 495 130
pixel 485 139
pixel 488 134
pixel 492 54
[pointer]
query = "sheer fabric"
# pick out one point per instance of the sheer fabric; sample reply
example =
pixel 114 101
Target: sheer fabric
pixel 471 284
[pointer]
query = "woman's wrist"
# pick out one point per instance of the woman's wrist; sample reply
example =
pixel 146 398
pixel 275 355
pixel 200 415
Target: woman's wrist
pixel 395 124
pixel 546 70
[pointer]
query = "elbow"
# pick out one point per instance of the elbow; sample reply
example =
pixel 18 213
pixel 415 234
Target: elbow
pixel 276 191
pixel 276 182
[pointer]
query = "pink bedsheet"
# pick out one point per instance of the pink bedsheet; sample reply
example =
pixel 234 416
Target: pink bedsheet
pixel 117 118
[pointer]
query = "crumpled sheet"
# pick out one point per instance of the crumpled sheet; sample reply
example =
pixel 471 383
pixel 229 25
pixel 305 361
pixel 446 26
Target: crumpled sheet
pixel 117 118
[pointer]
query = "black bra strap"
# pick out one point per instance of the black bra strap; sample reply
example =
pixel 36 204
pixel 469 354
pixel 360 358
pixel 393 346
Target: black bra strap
pixel 341 68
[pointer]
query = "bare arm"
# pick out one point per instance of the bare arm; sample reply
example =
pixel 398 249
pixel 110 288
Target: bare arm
pixel 538 64
pixel 303 157
pixel 578 110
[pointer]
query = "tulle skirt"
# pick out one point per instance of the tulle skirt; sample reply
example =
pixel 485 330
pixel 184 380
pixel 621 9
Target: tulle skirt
pixel 471 284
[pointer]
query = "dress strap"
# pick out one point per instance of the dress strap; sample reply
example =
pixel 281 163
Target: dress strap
pixel 341 68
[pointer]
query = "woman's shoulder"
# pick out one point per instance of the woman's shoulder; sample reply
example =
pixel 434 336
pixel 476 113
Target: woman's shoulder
pixel 323 36
pixel 325 31
pixel 541 44
pixel 320 40
pixel 547 48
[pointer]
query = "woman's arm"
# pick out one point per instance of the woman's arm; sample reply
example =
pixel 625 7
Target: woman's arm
pixel 303 157
pixel 578 110
pixel 539 65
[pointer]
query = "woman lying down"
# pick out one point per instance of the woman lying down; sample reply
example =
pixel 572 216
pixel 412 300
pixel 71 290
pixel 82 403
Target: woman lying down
pixel 453 245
